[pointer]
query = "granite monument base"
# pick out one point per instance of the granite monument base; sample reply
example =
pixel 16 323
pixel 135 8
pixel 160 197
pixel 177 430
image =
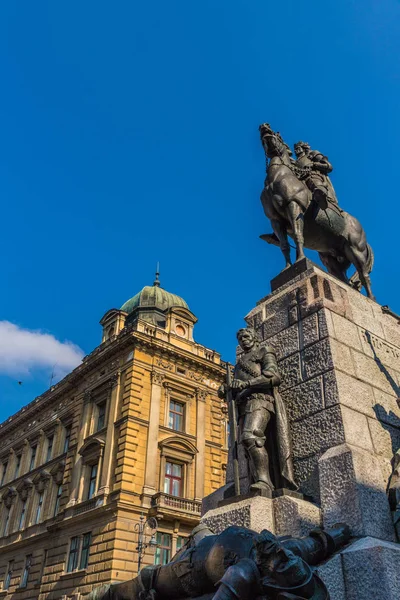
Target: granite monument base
pixel 367 568
pixel 285 514
pixel 339 356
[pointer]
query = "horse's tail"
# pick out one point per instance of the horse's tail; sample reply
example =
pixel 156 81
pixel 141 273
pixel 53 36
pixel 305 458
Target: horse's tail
pixel 355 280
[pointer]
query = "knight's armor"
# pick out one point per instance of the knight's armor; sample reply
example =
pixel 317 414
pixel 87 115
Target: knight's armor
pixel 236 564
pixel 313 168
pixel 258 367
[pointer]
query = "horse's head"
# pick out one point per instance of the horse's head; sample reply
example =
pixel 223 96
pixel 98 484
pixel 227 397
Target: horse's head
pixel 272 142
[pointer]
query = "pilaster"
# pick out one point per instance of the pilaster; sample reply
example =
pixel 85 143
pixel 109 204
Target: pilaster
pixel 150 477
pixel 201 399
pixel 106 459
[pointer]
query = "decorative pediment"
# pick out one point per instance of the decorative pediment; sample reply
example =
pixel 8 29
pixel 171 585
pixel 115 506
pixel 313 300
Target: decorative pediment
pixel 92 449
pixel 41 480
pixel 177 445
pixel 9 496
pixel 184 313
pixel 23 488
pixel 57 472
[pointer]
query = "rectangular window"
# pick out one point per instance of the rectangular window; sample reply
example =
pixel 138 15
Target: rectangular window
pixel 17 466
pixel 92 481
pixel 163 551
pixel 67 437
pixel 73 554
pixel 176 413
pixel 50 441
pixel 180 541
pixel 173 479
pixel 7 580
pixel 86 539
pixel 58 496
pixel 6 521
pixel 33 458
pixel 101 415
pixel 4 472
pixel 42 567
pixel 25 574
pixel 39 508
pixel 22 516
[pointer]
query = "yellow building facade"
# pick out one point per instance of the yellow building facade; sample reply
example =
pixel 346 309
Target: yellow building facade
pixel 136 430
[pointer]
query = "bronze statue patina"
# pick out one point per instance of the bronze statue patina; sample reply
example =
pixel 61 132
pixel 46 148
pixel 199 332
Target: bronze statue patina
pixel 313 167
pixel 300 201
pixel 263 423
pixel 238 564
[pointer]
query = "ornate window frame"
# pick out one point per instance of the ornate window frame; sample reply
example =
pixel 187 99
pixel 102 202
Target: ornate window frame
pixel 180 451
pixel 8 501
pixel 185 396
pixel 24 491
pixel 41 484
pixel 92 453
pixel 57 476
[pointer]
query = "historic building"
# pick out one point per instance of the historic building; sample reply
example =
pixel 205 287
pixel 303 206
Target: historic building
pixel 136 429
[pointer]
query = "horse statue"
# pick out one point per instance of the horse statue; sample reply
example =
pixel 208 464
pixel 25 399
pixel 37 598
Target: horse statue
pixel 309 213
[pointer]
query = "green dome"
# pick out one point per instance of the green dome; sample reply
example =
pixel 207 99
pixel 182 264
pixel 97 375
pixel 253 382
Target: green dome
pixel 153 296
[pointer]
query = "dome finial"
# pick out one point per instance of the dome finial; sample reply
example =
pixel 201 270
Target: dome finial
pixel 157 280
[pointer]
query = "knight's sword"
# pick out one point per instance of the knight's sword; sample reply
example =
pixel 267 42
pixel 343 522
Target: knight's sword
pixel 233 428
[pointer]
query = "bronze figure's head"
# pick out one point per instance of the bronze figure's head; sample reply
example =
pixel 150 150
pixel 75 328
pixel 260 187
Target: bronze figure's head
pixel 301 148
pixel 247 337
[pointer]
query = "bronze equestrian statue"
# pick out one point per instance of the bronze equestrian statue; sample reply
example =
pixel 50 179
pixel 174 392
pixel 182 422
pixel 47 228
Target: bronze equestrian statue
pixel 237 564
pixel 299 200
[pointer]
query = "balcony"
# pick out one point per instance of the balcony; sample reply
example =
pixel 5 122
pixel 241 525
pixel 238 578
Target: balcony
pixel 165 505
pixel 87 505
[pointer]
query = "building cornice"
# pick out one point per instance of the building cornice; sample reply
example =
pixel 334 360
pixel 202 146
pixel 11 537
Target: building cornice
pixel 104 352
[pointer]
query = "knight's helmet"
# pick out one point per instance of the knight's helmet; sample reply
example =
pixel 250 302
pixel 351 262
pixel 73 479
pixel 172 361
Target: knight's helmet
pixel 300 145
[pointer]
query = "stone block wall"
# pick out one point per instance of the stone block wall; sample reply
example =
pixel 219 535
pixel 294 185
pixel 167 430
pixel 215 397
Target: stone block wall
pixel 339 356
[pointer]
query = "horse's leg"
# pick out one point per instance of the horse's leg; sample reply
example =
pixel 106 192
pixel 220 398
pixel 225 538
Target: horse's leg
pixel 295 214
pixel 281 233
pixel 359 257
pixel 334 267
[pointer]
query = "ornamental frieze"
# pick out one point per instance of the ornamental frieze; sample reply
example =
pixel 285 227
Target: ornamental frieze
pixel 164 364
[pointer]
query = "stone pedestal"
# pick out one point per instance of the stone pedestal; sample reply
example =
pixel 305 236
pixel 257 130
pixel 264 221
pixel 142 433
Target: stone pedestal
pixel 284 515
pixel 368 568
pixel 339 357
pixel 353 491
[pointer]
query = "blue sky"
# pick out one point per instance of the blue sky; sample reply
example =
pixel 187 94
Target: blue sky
pixel 129 136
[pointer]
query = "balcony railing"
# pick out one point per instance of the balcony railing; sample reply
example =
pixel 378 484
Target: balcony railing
pixel 85 506
pixel 162 500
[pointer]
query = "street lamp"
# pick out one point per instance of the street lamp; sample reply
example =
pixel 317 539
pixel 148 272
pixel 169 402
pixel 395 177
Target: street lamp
pixel 146 529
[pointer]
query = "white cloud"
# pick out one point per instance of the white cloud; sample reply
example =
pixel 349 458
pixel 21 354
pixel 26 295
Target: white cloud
pixel 22 351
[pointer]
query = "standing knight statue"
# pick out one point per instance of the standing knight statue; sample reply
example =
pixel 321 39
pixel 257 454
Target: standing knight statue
pixel 263 423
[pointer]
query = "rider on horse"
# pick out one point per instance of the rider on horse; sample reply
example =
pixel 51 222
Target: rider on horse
pixel 313 167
